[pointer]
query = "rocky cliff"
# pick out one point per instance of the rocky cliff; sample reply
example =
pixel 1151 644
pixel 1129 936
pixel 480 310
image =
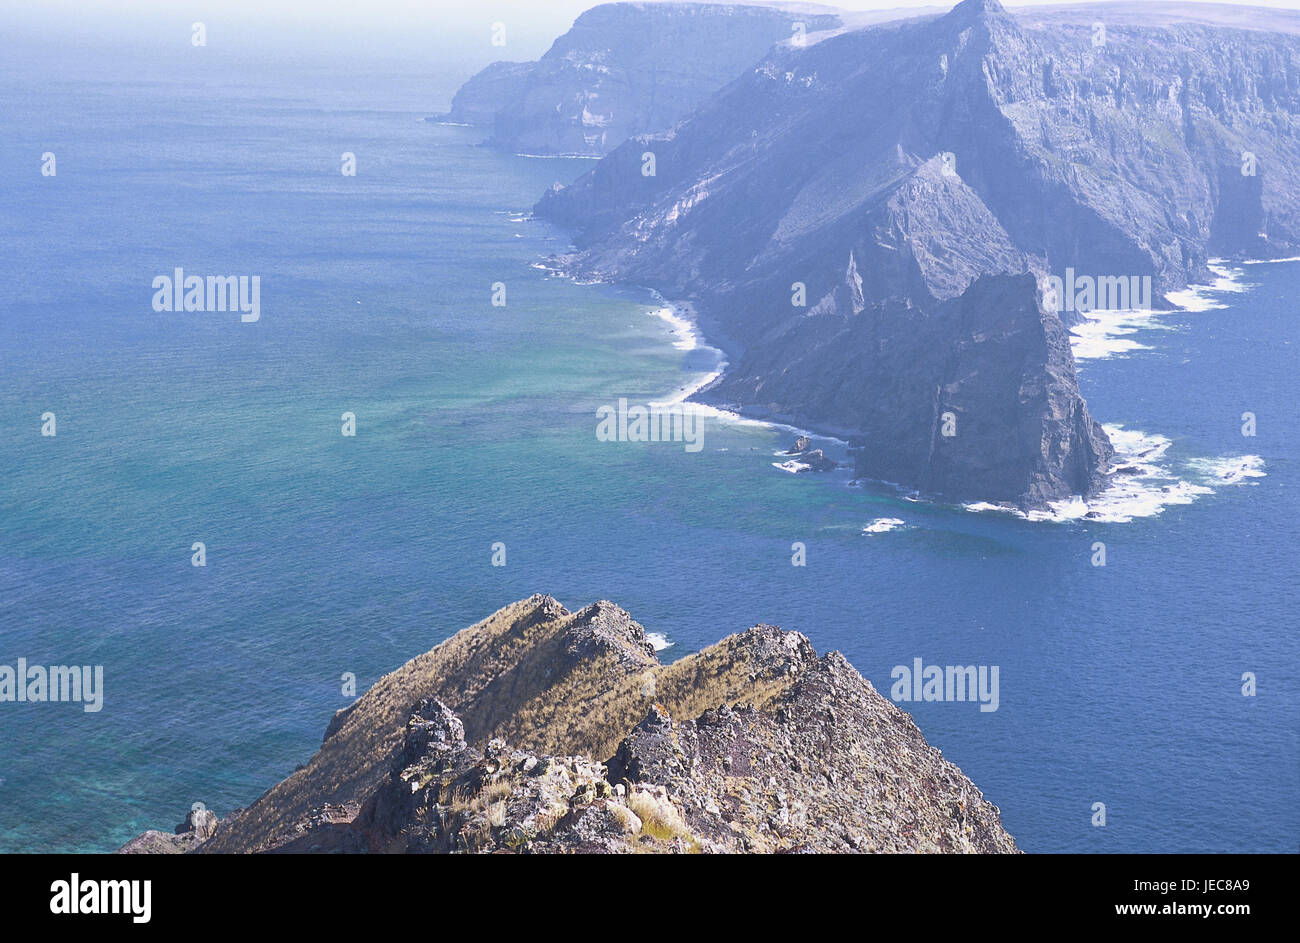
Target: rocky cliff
pixel 867 223
pixel 624 69
pixel 543 730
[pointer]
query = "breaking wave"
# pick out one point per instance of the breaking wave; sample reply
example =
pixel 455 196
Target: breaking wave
pixel 883 525
pixel 1106 333
pixel 1144 482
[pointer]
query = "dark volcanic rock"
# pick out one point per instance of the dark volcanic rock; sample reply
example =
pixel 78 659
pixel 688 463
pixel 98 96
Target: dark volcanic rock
pixel 811 460
pixel 808 458
pixel 154 842
pixel 916 182
pixel 199 825
pixel 991 361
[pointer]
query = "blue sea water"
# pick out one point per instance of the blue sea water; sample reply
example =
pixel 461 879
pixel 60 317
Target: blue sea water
pixel 475 424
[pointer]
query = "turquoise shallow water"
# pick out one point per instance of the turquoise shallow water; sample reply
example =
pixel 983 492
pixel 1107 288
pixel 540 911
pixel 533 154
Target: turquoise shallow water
pixel 476 425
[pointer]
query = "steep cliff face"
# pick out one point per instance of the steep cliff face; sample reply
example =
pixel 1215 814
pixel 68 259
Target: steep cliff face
pixel 624 69
pixel 885 173
pixel 975 397
pixel 544 730
pixel 1146 149
pixel 478 100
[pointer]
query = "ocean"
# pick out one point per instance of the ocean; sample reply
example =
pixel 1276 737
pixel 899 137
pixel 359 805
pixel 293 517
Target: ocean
pixel 330 555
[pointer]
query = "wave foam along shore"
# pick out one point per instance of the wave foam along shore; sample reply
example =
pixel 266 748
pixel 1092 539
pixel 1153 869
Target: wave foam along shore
pixel 680 316
pixel 684 319
pixel 1106 333
pixel 1199 298
pixel 1140 487
pixel 682 328
pixel 658 641
pixel 1143 484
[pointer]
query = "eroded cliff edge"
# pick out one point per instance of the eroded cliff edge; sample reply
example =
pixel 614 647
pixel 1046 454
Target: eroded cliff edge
pixel 624 69
pixel 866 224
pixel 543 730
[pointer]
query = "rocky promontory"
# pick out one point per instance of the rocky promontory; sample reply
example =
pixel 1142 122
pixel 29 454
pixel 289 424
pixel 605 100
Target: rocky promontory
pixel 868 223
pixel 625 69
pixel 541 730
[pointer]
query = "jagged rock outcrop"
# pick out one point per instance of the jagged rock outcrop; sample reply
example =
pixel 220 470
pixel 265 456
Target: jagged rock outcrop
pixel 808 459
pixel 624 69
pixel 914 183
pixel 542 730
pixel 200 824
pixel 156 842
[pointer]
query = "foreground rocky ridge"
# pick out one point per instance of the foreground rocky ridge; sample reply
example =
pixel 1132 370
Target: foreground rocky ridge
pixel 541 730
pixel 915 182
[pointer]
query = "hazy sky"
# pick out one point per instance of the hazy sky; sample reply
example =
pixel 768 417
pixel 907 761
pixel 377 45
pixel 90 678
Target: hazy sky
pixel 424 8
pixel 454 32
